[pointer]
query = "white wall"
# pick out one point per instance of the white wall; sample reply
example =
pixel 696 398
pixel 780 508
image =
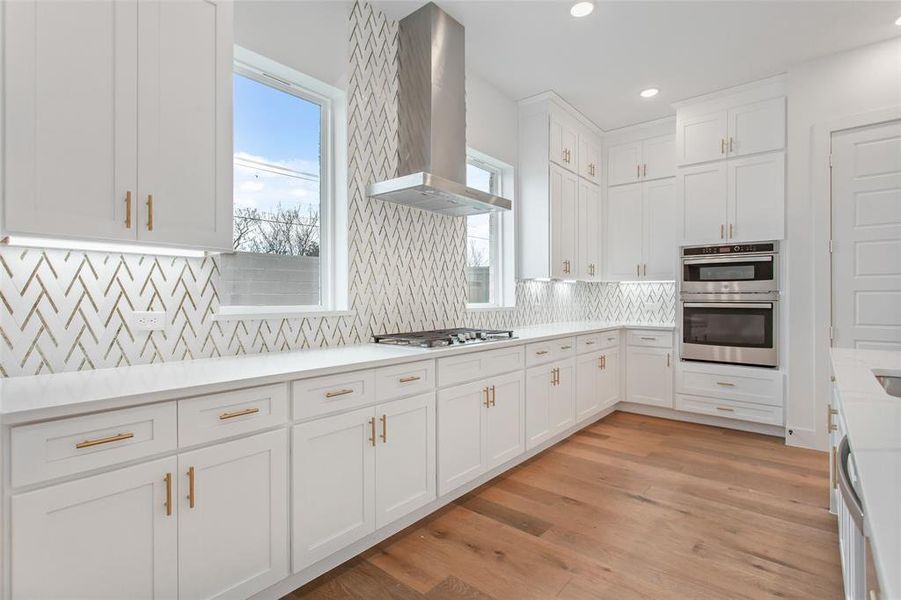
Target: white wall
pixel 491 121
pixel 850 83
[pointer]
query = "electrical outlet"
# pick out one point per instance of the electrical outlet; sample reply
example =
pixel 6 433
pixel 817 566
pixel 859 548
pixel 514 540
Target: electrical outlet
pixel 149 320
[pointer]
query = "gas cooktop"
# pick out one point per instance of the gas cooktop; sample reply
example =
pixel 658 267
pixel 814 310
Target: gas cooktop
pixel 443 337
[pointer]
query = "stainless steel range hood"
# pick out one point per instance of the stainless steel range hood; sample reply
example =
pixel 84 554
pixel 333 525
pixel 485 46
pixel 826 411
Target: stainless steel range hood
pixel 432 121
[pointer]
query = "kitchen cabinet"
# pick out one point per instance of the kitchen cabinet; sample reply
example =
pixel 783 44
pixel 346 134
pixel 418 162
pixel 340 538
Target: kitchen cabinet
pixel 564 187
pixel 113 535
pixel 112 134
pixel 564 144
pixel 589 158
pixel 649 376
pixel 644 160
pixel 550 400
pixel 640 237
pixel 739 200
pixel 357 471
pixel 480 428
pixel 730 131
pixel 597 382
pixel 233 517
pixel 588 223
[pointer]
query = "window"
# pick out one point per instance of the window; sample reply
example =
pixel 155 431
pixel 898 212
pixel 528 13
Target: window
pixel 285 188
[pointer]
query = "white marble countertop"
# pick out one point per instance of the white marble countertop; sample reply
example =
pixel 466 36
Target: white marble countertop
pixel 39 397
pixel 873 422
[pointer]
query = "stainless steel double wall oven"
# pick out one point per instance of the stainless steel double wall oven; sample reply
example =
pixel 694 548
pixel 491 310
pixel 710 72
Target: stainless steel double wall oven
pixel 730 298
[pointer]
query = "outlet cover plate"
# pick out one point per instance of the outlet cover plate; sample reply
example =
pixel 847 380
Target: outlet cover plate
pixel 149 320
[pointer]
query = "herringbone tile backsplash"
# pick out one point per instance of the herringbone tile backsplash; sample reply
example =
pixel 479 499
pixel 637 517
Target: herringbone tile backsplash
pixel 69 310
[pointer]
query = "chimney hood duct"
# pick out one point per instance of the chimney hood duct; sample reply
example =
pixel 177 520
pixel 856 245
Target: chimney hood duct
pixel 432 121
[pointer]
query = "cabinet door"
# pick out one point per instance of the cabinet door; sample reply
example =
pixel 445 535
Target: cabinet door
pixel 404 457
pixel 107 536
pixel 333 484
pixel 564 213
pixel 649 376
pixel 233 540
pixel 659 239
pixel 504 436
pixel 701 138
pixel 539 381
pixel 588 380
pixel 609 378
pixel 757 127
pixel 70 118
pixel 702 192
pixel 460 435
pixel 562 409
pixel 658 157
pixel 185 123
pixel 757 197
pixel 563 144
pixel 589 159
pixel 624 163
pixel 624 231
pixel 589 226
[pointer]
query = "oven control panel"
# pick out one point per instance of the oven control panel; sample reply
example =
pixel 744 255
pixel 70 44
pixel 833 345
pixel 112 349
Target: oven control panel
pixel 736 249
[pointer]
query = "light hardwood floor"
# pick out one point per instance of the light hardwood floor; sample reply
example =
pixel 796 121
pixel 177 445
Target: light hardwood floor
pixel 630 507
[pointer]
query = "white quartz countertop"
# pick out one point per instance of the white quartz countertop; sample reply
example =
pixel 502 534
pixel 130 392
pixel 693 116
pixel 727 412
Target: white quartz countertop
pixel 39 397
pixel 873 422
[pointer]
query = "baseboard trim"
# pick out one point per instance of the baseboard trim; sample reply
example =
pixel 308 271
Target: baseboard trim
pixel 677 415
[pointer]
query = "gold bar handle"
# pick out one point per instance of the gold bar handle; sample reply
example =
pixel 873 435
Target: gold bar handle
pixel 128 210
pixel 336 393
pixel 410 378
pixel 553 376
pixel 372 431
pixel 107 440
pixel 238 413
pixel 725 384
pixel 567 347
pixel 722 145
pixel 493 396
pixel 191 487
pixel 644 269
pixel 834 467
pixel 149 212
pixel 831 425
pixel 604 361
pixel 637 171
pixel 384 429
pixel 667 359
pixel 589 343
pixel 724 409
pixel 168 480
pixel 644 170
pixel 541 353
pixel 722 231
pixel 731 235
pixel 487 401
pixel 731 144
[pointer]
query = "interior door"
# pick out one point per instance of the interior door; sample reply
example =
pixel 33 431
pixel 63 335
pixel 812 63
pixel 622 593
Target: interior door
pixel 107 536
pixel 185 150
pixel 703 191
pixel 589 225
pixel 866 233
pixel 757 127
pixel 658 157
pixel 504 435
pixel 333 484
pixel 538 398
pixel 624 163
pixel 70 117
pixel 562 406
pixel 233 541
pixel 701 138
pixel 404 457
pixel 757 198
pixel 460 435
pixel 564 214
pixel 624 231
pixel 659 239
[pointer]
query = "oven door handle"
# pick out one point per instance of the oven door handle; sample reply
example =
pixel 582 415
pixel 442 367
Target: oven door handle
pixel 736 259
pixel 768 305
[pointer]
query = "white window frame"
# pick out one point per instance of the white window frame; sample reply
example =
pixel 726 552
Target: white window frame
pixel 501 249
pixel 332 185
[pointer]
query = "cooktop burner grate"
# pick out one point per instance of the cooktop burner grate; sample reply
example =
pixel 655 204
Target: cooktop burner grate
pixel 443 337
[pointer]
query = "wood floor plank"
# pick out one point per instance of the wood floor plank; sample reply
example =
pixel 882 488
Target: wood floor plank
pixel 631 507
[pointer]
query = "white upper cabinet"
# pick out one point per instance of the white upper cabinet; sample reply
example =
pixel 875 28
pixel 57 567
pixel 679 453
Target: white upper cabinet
pixel 623 233
pixel 702 189
pixel 108 103
pixel 589 158
pixel 588 262
pixel 641 161
pixel 756 197
pixel 564 143
pixel 659 236
pixel 641 231
pixel 701 138
pixel 757 127
pixel 564 188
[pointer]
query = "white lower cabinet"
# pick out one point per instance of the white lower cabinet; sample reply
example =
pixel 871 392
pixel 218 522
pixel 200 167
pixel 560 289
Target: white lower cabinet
pixel 233 517
pixel 356 471
pixel 649 376
pixel 106 536
pixel 479 428
pixel 597 382
pixel 550 400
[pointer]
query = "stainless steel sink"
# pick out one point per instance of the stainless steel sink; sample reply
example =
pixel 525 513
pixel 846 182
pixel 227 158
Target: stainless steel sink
pixel 891 384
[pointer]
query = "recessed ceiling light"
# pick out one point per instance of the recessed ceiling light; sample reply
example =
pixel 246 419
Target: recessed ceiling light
pixel 649 93
pixel 581 9
pixel 898 21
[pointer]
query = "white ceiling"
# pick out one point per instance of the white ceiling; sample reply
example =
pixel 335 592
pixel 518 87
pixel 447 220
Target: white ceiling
pixel 599 63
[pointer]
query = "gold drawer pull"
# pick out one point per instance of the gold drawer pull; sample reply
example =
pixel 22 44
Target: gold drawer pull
pixel 343 392
pixel 168 480
pixel 541 352
pixel 107 440
pixel 565 347
pixel 723 408
pixel 589 343
pixel 191 487
pixel 384 429
pixel 410 378
pixel 238 413
pixel 725 384
pixel 128 210
pixel 372 431
pixel 149 212
pixel 649 339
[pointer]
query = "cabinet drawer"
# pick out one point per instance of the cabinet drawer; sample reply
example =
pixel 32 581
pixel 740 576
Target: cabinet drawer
pixel 541 352
pixel 332 393
pixel 653 339
pixel 597 341
pixel 742 384
pixel 218 416
pixel 404 380
pixel 477 365
pixel 731 409
pixel 57 448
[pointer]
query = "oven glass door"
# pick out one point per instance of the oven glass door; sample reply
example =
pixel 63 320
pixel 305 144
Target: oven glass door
pixel 754 273
pixel 736 325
